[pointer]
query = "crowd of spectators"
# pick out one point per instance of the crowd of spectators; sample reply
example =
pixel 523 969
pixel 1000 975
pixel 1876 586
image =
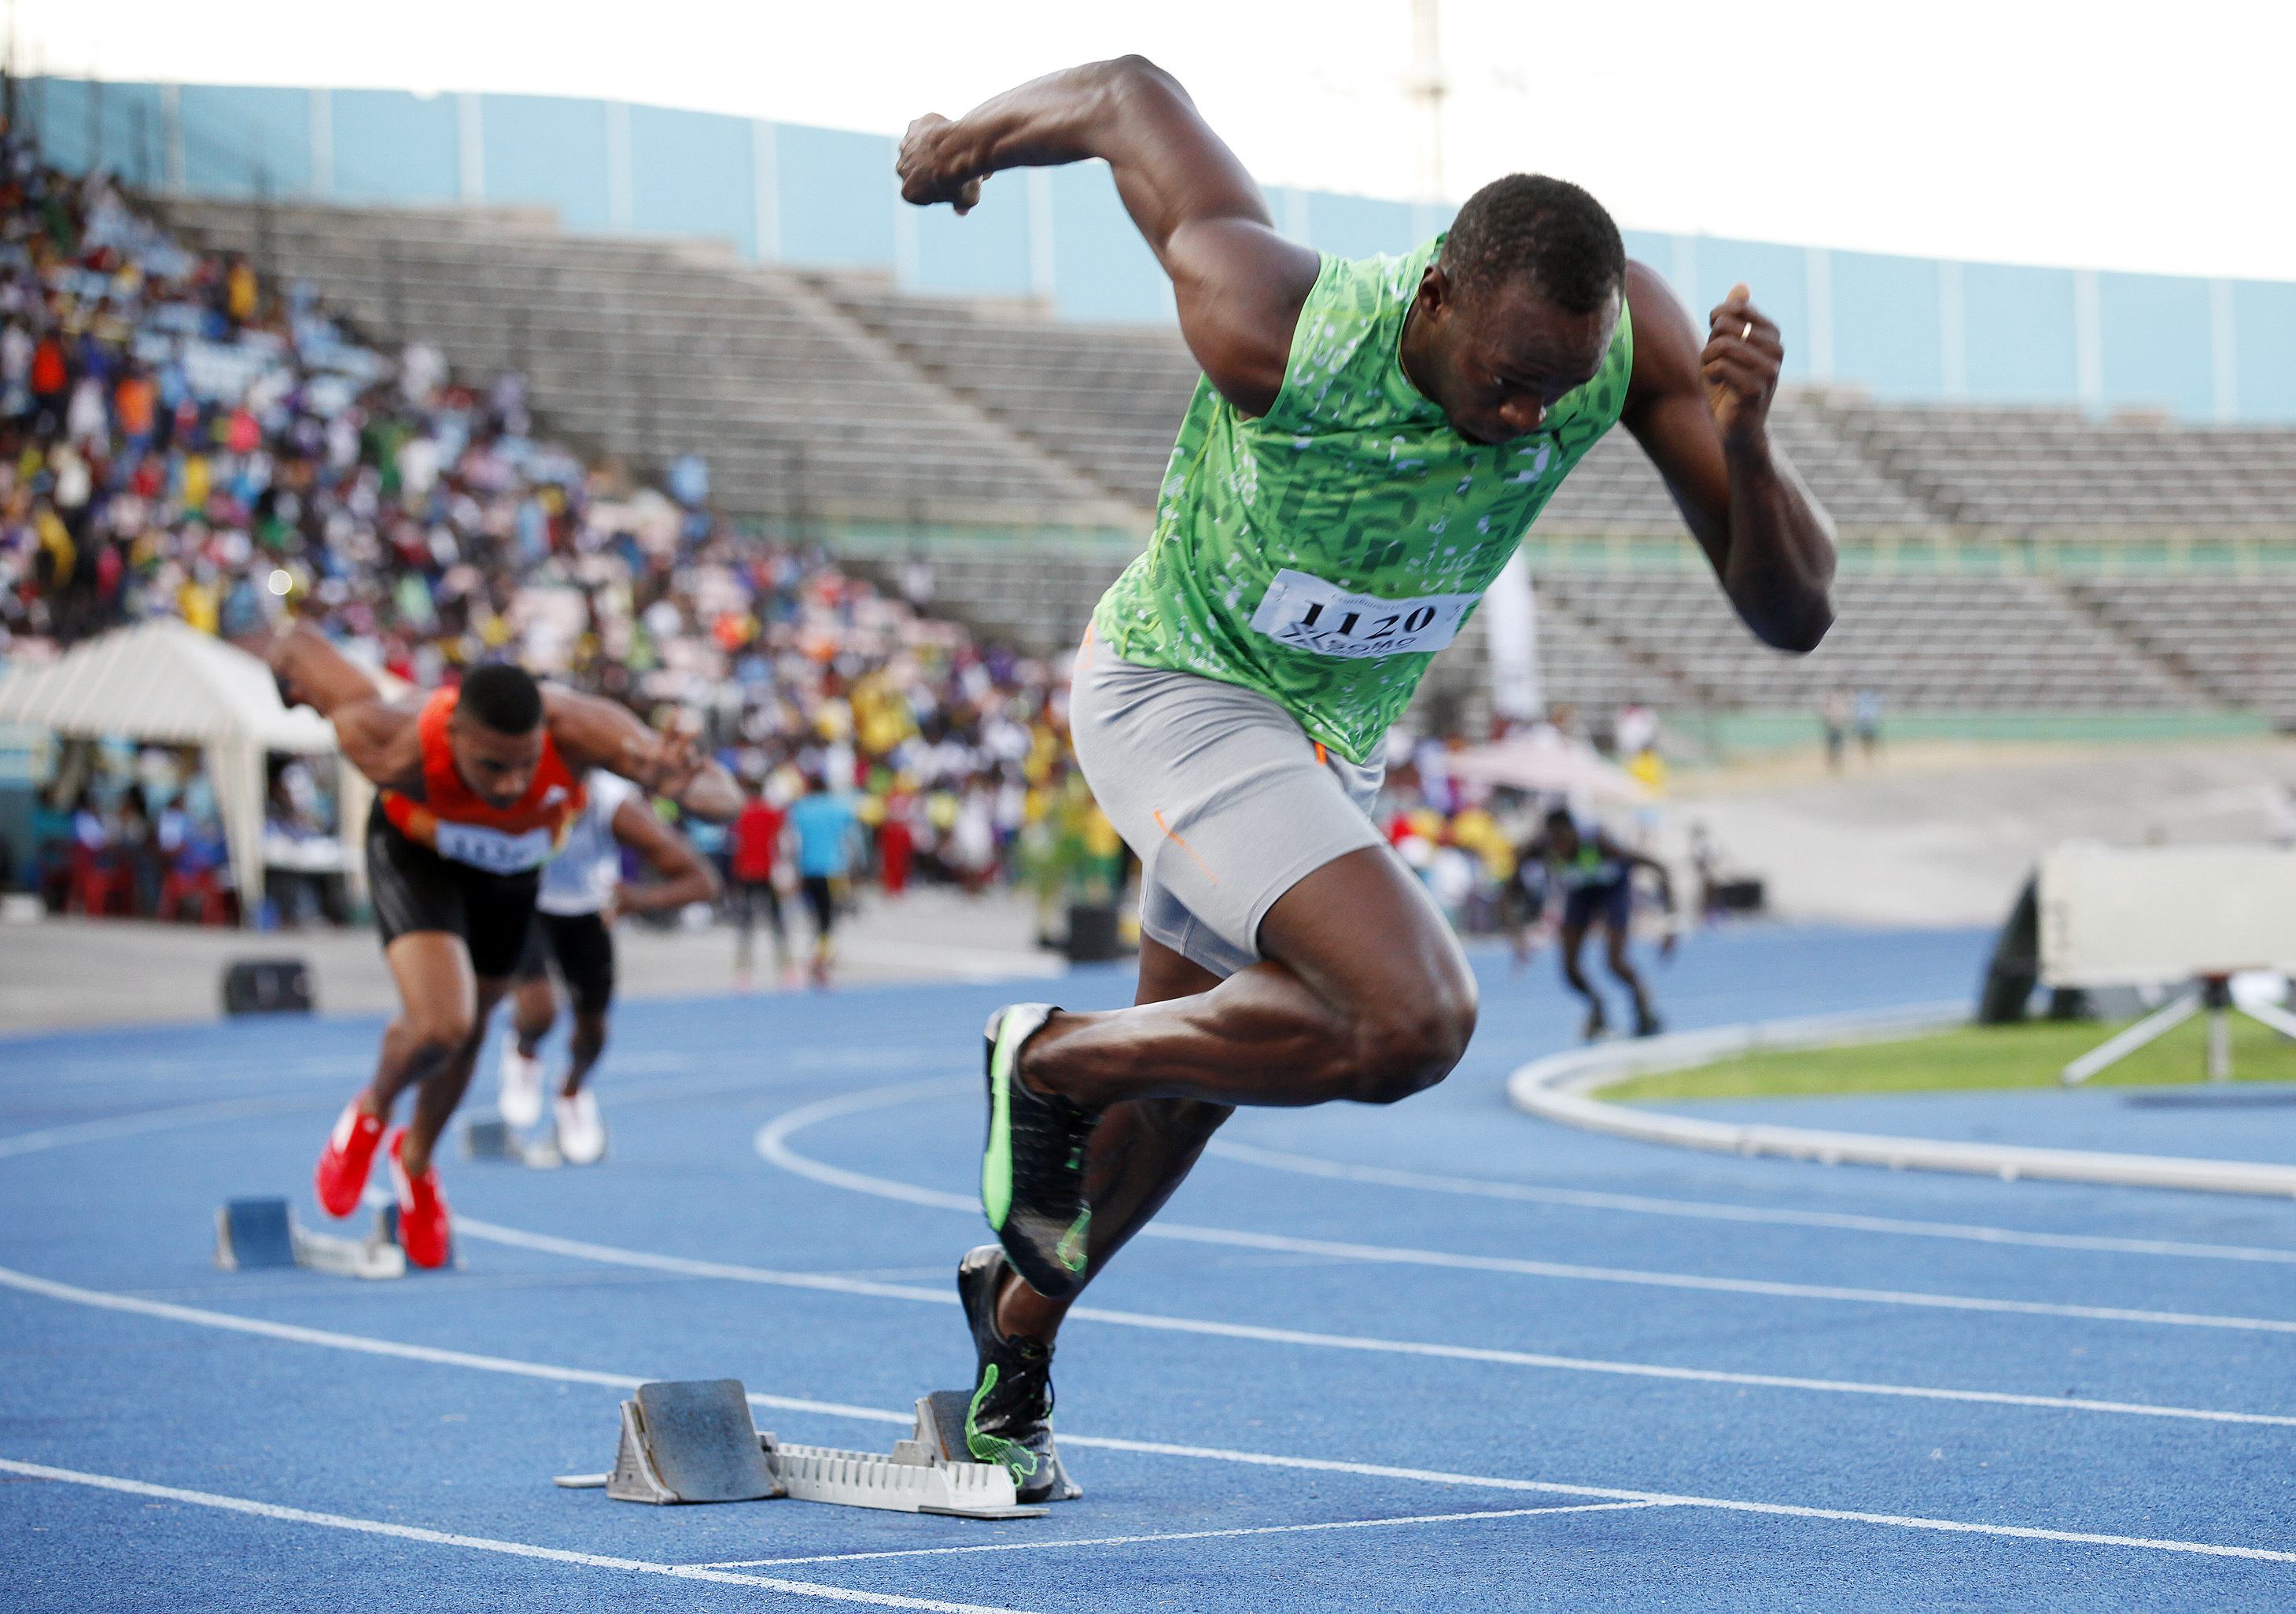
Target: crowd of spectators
pixel 178 437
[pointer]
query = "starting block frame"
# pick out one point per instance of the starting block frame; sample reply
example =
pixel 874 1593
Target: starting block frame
pixel 697 1441
pixel 258 1233
pixel 487 1136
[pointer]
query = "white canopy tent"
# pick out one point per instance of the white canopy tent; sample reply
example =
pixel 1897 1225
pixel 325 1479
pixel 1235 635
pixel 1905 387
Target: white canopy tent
pixel 165 683
pixel 1549 764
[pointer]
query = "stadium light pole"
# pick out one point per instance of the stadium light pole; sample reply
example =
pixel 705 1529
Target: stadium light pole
pixel 1427 88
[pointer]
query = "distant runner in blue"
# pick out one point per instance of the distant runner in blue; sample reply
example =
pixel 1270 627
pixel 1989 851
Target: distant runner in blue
pixel 826 828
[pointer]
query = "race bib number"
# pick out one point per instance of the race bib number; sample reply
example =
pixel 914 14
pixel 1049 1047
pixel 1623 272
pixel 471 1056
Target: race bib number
pixel 496 851
pixel 1308 613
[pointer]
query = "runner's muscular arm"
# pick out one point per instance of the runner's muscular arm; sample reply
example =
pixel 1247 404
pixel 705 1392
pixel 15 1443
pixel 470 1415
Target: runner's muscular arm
pixel 591 733
pixel 1702 415
pixel 378 737
pixel 1633 859
pixel 1239 286
pixel 685 876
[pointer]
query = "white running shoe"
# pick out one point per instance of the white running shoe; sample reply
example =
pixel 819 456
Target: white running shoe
pixel 520 1094
pixel 581 1135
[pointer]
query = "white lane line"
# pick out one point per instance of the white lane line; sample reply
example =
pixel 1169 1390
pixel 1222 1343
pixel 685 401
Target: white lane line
pixel 583 1250
pixel 962 963
pixel 483 1544
pixel 773 1143
pixel 1128 1541
pixel 144 1120
pixel 1279 1159
pixel 1157 1448
pixel 437 1356
pixel 1783 1510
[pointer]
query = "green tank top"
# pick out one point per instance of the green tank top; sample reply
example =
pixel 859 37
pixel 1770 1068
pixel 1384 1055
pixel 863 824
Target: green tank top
pixel 1323 552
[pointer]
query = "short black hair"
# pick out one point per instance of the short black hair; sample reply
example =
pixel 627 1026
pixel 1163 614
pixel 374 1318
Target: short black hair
pixel 505 697
pixel 1543 228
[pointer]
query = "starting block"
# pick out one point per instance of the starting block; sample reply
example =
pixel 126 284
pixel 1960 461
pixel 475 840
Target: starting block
pixel 489 1138
pixel 696 1441
pixel 252 1234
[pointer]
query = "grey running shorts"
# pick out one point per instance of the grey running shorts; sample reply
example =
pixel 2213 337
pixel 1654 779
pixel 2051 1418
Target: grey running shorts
pixel 1224 797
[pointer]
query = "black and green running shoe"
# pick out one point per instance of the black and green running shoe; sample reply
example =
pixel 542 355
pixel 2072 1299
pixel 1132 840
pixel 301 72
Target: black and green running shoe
pixel 1033 1170
pixel 1009 1420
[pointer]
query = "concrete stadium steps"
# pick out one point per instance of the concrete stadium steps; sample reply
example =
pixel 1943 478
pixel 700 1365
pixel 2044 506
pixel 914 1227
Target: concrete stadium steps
pixel 1925 643
pixel 646 350
pixel 1035 596
pixel 2057 469
pixel 2234 636
pixel 1107 399
pixel 1934 642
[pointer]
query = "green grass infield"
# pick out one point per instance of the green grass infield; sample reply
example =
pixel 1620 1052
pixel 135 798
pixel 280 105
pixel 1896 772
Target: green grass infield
pixel 2028 1055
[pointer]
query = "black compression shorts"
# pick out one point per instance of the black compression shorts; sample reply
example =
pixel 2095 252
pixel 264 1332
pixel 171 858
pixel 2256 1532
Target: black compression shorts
pixel 820 900
pixel 414 889
pixel 583 948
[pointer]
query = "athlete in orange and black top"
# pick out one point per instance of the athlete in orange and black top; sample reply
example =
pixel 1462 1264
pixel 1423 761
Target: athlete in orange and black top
pixel 477 787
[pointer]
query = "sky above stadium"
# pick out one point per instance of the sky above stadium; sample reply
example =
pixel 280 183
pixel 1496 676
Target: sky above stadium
pixel 2010 130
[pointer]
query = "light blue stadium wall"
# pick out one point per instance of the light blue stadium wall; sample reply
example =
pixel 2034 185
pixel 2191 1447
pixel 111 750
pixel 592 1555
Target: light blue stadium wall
pixel 1888 325
pixel 835 196
pixel 387 145
pixel 693 174
pixel 120 126
pixel 2020 342
pixel 2264 315
pixel 243 141
pixel 2155 345
pixel 2022 335
pixel 547 150
pixel 1357 226
pixel 985 253
pixel 1102 270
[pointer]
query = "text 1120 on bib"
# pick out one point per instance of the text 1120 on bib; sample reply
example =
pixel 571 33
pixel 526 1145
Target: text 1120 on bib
pixel 1308 613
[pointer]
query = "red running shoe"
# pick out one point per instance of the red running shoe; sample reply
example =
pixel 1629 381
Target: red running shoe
pixel 422 1226
pixel 341 1178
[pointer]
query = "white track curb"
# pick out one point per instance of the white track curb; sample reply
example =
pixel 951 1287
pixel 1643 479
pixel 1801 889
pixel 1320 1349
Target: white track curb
pixel 1555 1089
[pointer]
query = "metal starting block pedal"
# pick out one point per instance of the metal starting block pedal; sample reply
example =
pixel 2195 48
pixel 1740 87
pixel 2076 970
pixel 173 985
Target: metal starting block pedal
pixel 252 1234
pixel 489 1138
pixel 696 1441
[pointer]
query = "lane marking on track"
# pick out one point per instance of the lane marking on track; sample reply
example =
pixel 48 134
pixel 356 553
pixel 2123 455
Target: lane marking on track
pixel 772 1142
pixel 363 1344
pixel 144 1120
pixel 1128 1540
pixel 1783 1510
pixel 483 1544
pixel 734 1272
pixel 1279 1159
pixel 832 1283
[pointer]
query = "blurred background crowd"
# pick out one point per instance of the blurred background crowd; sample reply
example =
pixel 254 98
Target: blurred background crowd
pixel 180 438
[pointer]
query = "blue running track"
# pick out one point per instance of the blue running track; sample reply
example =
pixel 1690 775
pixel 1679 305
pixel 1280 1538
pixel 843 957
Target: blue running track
pixel 1432 1356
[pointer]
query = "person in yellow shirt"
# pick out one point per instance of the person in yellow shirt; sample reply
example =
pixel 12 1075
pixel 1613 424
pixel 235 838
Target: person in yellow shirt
pixel 241 292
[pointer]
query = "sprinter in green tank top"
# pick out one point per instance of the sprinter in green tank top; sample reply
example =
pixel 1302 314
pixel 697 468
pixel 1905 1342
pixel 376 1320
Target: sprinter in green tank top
pixel 1368 444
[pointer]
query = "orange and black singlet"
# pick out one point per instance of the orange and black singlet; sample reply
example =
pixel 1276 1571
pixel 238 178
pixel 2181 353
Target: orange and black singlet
pixel 457 823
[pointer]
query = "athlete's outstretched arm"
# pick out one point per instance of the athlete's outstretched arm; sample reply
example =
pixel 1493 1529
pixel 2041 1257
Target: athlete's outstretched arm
pixel 594 732
pixel 1702 413
pixel 682 875
pixel 377 738
pixel 1632 859
pixel 1239 286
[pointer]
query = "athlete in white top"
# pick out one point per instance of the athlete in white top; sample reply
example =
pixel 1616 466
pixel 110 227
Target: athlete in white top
pixel 582 892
